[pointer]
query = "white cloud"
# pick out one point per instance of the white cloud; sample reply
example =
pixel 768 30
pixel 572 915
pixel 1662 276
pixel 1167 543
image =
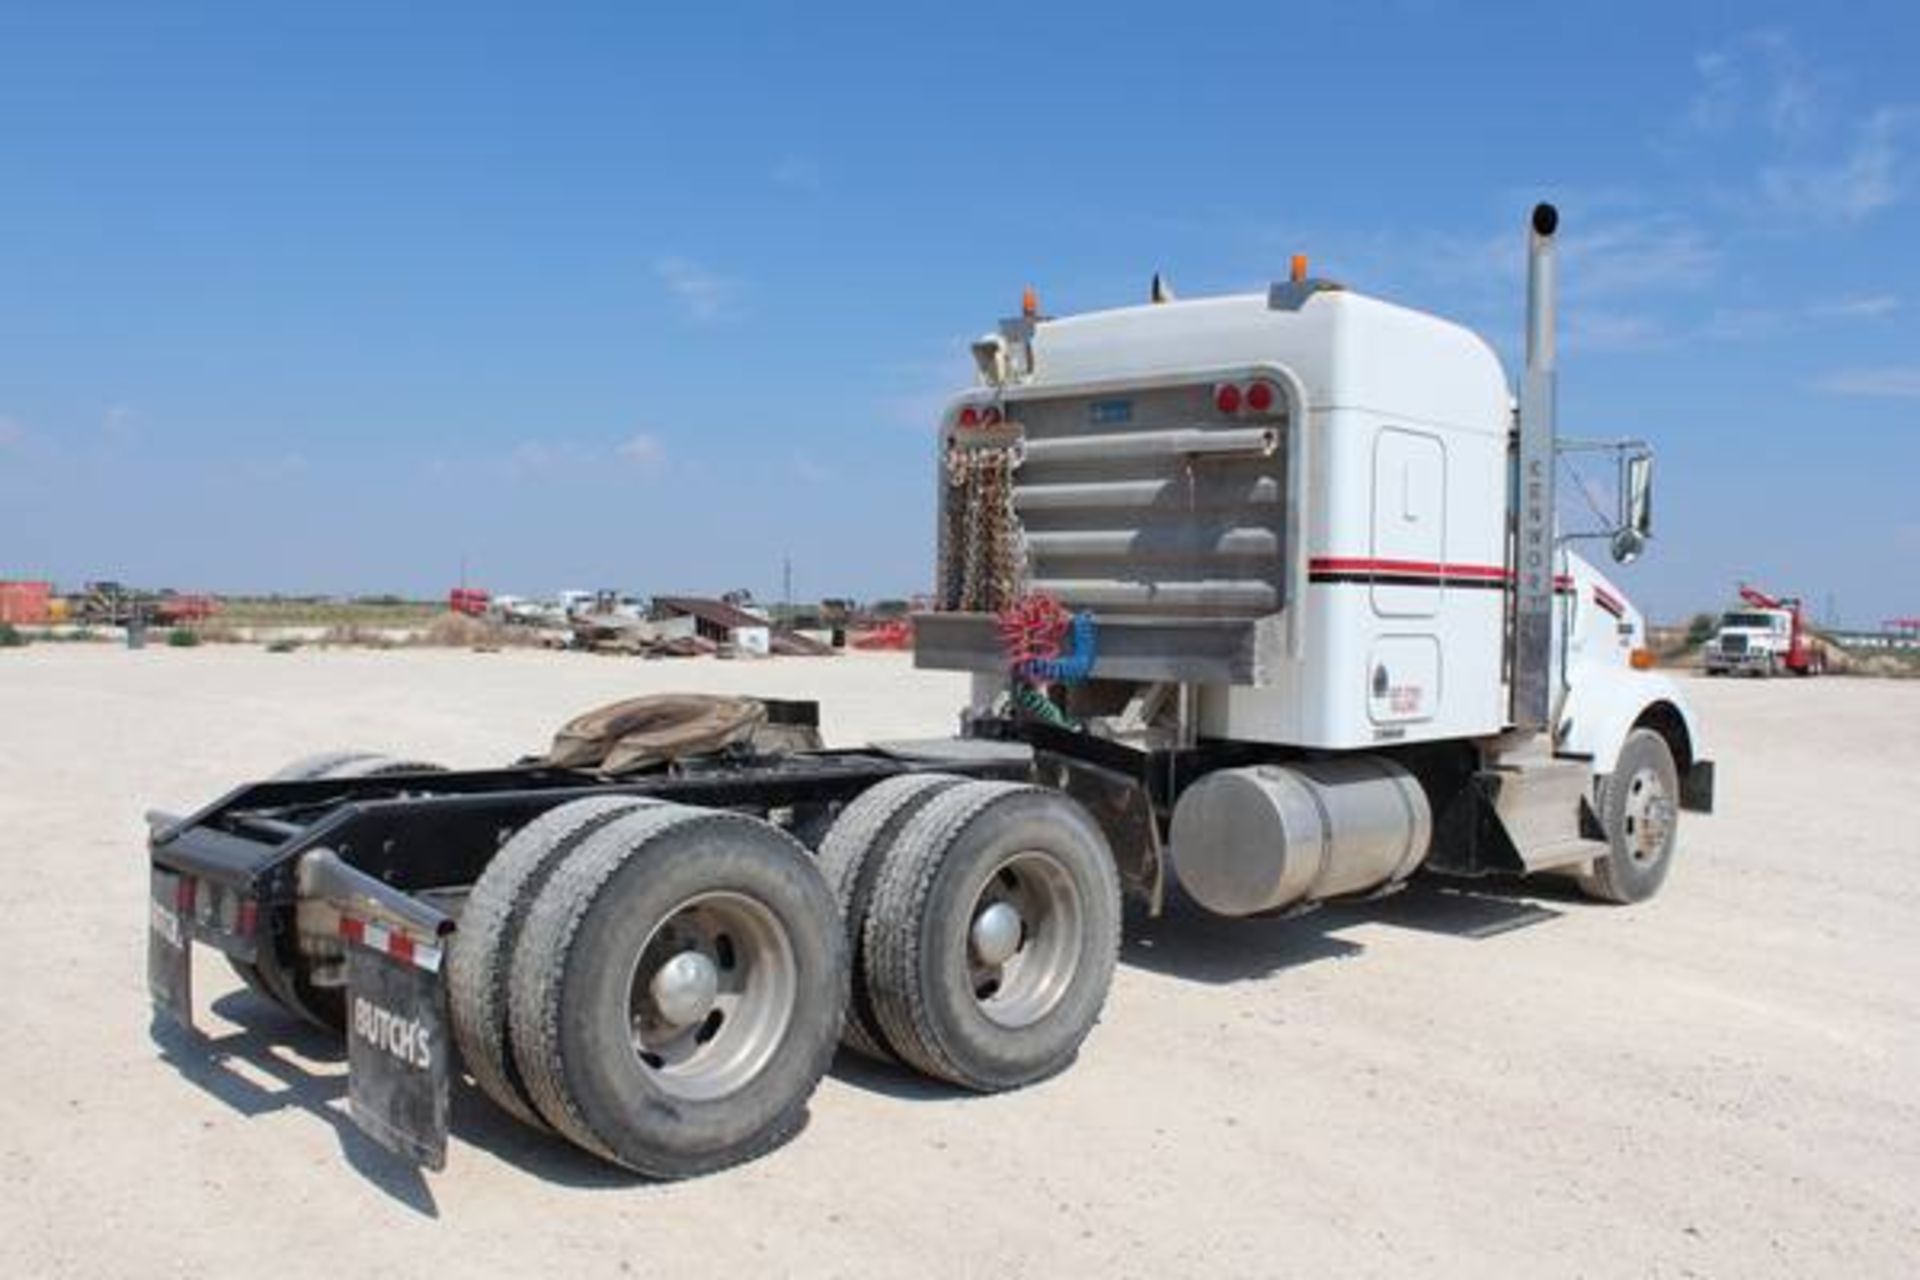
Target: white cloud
pixel 1736 324
pixel 642 449
pixel 705 294
pixel 1815 162
pixel 542 457
pixel 1756 77
pixel 810 469
pixel 120 424
pixel 1588 330
pixel 1895 382
pixel 798 173
pixel 1865 180
pixel 1742 323
pixel 1715 104
pixel 1658 252
pixel 1867 306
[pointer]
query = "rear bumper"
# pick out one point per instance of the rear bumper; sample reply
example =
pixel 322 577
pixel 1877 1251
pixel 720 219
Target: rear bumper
pixel 399 1043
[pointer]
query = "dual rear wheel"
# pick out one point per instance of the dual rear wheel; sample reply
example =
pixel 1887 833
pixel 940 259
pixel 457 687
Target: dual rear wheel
pixel 984 923
pixel 661 985
pixel 665 986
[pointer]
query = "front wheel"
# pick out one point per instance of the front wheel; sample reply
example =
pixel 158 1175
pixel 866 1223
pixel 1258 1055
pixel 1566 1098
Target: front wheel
pixel 1639 808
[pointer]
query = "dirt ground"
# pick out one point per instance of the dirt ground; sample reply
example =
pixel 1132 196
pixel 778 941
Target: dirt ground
pixel 1452 1081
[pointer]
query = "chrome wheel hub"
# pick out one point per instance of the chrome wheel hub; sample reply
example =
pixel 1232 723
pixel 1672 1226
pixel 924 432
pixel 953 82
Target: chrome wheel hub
pixel 711 994
pixel 996 934
pixel 1023 945
pixel 1648 815
pixel 685 988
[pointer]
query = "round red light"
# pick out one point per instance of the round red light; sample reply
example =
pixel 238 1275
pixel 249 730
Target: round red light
pixel 969 417
pixel 1260 397
pixel 1226 398
pixel 990 416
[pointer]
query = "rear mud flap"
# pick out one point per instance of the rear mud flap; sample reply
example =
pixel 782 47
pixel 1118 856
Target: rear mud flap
pixel 169 950
pixel 398 1050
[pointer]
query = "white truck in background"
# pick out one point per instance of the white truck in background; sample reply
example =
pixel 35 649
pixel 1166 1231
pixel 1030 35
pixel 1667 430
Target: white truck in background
pixel 1769 637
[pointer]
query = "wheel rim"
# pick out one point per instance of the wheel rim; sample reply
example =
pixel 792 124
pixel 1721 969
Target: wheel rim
pixel 1648 815
pixel 1023 939
pixel 711 994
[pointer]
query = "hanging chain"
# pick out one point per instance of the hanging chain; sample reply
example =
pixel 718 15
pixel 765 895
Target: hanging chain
pixel 984 571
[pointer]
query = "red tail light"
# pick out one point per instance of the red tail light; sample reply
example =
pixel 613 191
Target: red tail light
pixel 969 417
pixel 1260 397
pixel 1226 398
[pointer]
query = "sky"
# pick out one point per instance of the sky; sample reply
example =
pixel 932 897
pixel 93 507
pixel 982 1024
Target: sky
pixel 340 298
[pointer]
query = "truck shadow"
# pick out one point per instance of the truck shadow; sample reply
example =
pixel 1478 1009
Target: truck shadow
pixel 261 1068
pixel 274 1062
pixel 1189 944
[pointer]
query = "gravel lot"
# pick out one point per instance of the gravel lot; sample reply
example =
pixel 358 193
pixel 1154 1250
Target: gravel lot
pixel 1720 1082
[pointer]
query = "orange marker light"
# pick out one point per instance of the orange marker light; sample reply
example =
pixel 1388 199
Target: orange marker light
pixel 1641 659
pixel 1029 303
pixel 1299 267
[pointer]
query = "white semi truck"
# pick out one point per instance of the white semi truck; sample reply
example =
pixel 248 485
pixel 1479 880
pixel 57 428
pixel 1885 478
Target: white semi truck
pixel 1262 596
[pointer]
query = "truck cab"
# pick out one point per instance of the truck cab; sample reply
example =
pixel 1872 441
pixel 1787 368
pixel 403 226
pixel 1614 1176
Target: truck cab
pixel 1304 530
pixel 1749 640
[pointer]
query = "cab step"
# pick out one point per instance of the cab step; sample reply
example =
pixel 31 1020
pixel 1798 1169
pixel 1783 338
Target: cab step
pixel 1545 804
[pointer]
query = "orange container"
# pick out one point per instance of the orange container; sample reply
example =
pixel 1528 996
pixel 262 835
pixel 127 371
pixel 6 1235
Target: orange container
pixel 25 603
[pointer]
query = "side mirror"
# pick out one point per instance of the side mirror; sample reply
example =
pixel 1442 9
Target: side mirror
pixel 1639 494
pixel 1636 508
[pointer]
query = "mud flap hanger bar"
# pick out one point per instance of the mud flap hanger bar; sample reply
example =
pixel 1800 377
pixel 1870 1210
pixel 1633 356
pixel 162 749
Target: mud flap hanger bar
pixel 399 1051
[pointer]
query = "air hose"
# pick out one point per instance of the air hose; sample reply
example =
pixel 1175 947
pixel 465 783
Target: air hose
pixel 1073 666
pixel 1034 703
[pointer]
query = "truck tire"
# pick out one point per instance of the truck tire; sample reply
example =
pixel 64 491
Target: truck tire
pixel 480 956
pixel 992 935
pixel 850 857
pixel 677 990
pixel 290 984
pixel 318 765
pixel 377 766
pixel 1640 810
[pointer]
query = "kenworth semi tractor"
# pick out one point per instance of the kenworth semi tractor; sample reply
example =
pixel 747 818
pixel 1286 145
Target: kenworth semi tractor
pixel 1263 596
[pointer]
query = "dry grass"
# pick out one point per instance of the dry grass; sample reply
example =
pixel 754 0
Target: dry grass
pixel 457 631
pixel 268 611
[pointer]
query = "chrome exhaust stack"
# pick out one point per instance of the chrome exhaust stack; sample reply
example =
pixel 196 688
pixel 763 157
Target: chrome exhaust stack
pixel 1533 498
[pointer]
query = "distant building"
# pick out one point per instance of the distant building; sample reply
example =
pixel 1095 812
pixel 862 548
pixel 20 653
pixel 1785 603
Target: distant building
pixel 26 603
pixel 1867 640
pixel 715 620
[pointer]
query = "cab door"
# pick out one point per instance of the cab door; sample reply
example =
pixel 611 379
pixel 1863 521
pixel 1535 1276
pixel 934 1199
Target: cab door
pixel 1409 523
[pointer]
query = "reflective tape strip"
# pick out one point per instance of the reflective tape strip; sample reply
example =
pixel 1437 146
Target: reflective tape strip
pixel 401 946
